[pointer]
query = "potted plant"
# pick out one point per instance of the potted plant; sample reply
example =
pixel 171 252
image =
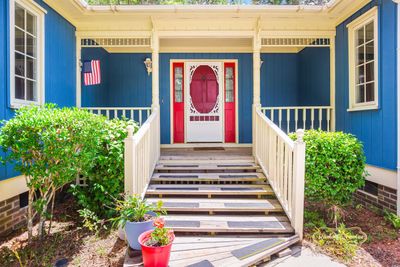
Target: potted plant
pixel 156 245
pixel 136 216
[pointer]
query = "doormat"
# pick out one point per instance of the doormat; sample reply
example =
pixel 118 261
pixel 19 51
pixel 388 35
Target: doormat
pixel 205 263
pixel 208 148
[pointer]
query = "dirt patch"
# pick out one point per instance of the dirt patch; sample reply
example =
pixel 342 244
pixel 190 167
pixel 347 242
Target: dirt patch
pixel 66 241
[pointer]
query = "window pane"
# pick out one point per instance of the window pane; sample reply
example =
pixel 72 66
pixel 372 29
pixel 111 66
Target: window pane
pixel 229 83
pixel 360 75
pixel 370 92
pixel 360 36
pixel 30 45
pixel 19 16
pixel 370 51
pixel 369 32
pixel 30 90
pixel 178 84
pixel 360 94
pixel 30 68
pixel 19 41
pixel 31 23
pixel 19 88
pixel 370 72
pixel 360 55
pixel 19 64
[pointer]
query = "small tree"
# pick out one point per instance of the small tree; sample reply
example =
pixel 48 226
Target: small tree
pixel 51 147
pixel 335 168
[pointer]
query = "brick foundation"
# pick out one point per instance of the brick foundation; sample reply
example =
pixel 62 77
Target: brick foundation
pixel 12 216
pixel 386 198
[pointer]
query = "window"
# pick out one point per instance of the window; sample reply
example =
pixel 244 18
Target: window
pixel 178 84
pixel 229 83
pixel 26 45
pixel 363 62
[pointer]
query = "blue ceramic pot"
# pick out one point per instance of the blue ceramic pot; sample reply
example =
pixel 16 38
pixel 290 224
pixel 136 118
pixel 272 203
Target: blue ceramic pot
pixel 134 229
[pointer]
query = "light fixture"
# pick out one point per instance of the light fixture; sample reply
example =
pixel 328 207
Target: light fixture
pixel 149 65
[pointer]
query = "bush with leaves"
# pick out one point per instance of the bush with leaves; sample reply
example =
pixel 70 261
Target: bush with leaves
pixel 51 147
pixel 105 181
pixel 335 168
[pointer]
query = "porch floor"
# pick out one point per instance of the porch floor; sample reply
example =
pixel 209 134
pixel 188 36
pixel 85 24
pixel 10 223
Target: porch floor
pixel 220 206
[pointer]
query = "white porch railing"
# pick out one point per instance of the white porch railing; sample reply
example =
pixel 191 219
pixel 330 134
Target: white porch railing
pixel 292 118
pixel 134 113
pixel 283 161
pixel 142 151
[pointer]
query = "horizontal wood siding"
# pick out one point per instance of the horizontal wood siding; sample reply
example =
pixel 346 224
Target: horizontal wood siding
pixel 59 65
pixel 296 79
pixel 375 128
pixel 245 87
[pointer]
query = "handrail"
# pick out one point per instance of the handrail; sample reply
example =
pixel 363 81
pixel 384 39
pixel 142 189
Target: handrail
pixel 306 117
pixel 142 151
pixel 283 161
pixel 139 114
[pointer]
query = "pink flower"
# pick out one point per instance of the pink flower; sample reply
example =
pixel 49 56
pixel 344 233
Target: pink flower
pixel 159 222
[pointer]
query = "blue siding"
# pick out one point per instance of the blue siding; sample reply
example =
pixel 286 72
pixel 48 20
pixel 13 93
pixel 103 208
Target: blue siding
pixel 245 86
pixel 279 80
pixel 125 82
pixel 59 65
pixel 300 79
pixel 375 128
pixel 314 77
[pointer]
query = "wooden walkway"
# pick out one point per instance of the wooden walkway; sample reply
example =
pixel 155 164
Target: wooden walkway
pixel 220 206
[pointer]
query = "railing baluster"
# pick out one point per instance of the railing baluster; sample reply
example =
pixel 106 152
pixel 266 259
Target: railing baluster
pixel 288 120
pixel 328 119
pixel 320 118
pixel 296 118
pixel 272 114
pixel 108 114
pixel 304 118
pixel 280 118
pixel 312 118
pixel 115 113
pixel 140 117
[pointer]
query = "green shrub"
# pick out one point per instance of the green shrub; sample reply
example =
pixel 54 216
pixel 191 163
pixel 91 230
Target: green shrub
pixel 393 219
pixel 50 146
pixel 335 164
pixel 105 181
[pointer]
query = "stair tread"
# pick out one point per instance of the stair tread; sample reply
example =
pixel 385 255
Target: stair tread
pixel 221 176
pixel 229 223
pixel 206 166
pixel 206 204
pixel 201 189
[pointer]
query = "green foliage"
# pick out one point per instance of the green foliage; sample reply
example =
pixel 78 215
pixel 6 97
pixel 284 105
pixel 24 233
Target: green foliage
pixel 134 209
pixel 341 242
pixel 393 219
pixel 313 219
pixel 335 164
pixel 51 146
pixel 105 181
pixel 91 221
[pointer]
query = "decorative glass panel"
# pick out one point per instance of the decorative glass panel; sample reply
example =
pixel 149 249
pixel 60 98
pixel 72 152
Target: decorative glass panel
pixel 19 64
pixel 370 51
pixel 360 74
pixel 370 89
pixel 369 32
pixel 31 23
pixel 360 94
pixel 19 88
pixel 360 36
pixel 178 84
pixel 360 55
pixel 369 72
pixel 19 16
pixel 19 40
pixel 229 85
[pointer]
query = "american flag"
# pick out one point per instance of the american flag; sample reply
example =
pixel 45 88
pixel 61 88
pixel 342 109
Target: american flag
pixel 91 72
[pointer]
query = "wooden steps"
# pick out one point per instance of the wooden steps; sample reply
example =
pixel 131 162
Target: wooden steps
pixel 222 193
pixel 195 205
pixel 209 177
pixel 208 190
pixel 231 223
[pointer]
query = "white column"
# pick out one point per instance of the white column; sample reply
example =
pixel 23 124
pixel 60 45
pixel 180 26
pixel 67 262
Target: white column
pixel 129 163
pixel 155 71
pixel 332 83
pixel 78 88
pixel 256 83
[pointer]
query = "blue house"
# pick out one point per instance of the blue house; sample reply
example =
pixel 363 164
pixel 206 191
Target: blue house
pixel 225 75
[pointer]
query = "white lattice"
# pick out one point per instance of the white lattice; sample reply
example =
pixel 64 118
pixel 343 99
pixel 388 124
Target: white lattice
pixel 116 42
pixel 295 42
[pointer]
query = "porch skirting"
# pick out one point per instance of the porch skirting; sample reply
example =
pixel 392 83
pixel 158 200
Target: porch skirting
pixel 385 199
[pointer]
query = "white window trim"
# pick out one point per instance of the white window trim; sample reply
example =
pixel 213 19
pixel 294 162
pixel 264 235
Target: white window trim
pixel 38 11
pixel 371 15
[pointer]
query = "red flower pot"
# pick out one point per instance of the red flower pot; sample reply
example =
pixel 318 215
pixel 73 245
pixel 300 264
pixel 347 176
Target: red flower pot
pixel 155 256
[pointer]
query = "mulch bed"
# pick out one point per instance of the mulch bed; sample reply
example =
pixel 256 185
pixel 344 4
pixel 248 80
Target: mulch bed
pixel 82 248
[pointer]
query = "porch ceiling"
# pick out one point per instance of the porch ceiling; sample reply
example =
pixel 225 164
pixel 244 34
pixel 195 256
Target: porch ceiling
pixel 205 18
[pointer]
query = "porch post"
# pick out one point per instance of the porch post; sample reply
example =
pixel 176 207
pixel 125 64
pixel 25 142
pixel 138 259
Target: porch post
pixel 78 89
pixel 332 84
pixel 256 82
pixel 155 69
